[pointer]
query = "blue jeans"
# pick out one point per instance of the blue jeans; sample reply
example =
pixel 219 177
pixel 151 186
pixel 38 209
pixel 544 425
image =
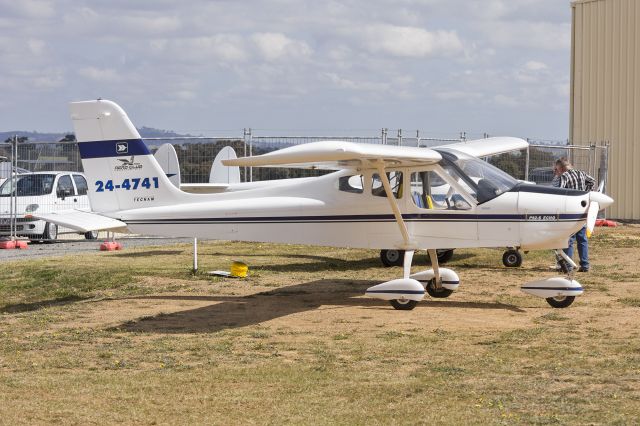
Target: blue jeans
pixel 583 247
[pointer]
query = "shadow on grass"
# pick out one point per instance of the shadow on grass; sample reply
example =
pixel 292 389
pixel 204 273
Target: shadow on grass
pixel 27 307
pixel 325 263
pixel 241 311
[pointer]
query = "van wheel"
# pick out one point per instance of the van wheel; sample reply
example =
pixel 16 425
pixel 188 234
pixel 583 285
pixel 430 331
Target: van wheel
pixel 512 258
pixel 91 235
pixel 444 255
pixel 392 257
pixel 50 232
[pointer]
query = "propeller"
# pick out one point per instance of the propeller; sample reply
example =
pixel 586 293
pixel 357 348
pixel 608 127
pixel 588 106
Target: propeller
pixel 592 215
pixel 598 202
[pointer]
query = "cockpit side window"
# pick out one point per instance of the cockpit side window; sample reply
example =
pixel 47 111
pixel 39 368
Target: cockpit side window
pixel 430 191
pixel 353 184
pixel 395 181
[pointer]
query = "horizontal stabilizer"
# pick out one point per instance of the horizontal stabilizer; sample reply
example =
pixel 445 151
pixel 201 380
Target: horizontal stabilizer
pixel 82 221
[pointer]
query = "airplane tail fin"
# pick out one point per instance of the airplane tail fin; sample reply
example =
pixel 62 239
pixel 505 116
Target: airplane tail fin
pixel 221 173
pixel 121 172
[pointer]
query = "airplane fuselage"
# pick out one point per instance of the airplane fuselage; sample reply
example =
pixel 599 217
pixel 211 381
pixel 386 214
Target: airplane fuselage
pixel 528 217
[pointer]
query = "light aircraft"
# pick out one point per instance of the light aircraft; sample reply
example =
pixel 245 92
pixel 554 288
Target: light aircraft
pixel 381 197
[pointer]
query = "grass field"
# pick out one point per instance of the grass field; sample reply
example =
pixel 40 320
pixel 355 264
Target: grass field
pixel 134 337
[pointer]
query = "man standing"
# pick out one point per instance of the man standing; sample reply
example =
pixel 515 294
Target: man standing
pixel 576 179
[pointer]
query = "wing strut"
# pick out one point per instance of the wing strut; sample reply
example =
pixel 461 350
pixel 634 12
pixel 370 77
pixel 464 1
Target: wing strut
pixel 394 204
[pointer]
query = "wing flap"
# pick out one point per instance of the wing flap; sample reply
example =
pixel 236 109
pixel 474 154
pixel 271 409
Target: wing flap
pixel 340 155
pixel 82 221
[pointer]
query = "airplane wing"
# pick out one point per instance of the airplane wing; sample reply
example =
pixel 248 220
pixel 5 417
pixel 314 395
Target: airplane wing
pixel 340 155
pixel 488 146
pixel 82 221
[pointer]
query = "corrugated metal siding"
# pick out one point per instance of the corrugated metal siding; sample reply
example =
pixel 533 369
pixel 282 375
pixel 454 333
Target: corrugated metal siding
pixel 605 92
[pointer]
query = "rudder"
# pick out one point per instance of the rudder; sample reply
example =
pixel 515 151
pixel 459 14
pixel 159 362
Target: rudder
pixel 121 172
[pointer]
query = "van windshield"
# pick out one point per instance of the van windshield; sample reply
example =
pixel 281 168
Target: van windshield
pixel 28 185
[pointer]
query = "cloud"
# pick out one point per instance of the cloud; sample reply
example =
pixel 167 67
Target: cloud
pixel 274 46
pixel 99 74
pixel 457 95
pixel 27 9
pixel 536 66
pixel 409 42
pixel 217 49
pixel 533 35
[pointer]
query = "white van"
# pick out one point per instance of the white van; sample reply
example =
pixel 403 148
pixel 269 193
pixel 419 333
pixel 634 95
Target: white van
pixel 42 192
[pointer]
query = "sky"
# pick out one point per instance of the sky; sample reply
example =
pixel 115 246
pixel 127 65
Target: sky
pixel 292 67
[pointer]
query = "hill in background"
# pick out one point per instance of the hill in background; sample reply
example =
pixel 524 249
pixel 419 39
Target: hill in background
pixel 145 132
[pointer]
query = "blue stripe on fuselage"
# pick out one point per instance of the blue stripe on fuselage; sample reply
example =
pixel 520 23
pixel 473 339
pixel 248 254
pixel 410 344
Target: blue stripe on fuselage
pixel 359 218
pixel 112 148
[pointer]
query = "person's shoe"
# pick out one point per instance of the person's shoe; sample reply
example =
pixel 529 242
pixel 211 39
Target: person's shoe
pixel 583 269
pixel 555 268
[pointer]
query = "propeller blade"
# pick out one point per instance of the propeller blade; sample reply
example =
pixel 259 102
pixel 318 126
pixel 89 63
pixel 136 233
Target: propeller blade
pixel 592 215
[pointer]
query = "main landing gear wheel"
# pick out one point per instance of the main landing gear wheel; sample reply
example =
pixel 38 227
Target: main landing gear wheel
pixel 444 255
pixel 512 259
pixel 403 305
pixel 560 301
pixel 91 235
pixel 437 293
pixel 392 258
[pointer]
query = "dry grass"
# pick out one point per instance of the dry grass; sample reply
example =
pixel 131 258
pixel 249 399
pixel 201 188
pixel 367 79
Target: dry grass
pixel 133 337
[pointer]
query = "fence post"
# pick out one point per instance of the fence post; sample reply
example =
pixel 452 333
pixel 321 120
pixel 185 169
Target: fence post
pixel 13 214
pixel 384 136
pixel 244 138
pixel 527 162
pixel 604 166
pixel 250 154
pixel 399 137
pixel 195 255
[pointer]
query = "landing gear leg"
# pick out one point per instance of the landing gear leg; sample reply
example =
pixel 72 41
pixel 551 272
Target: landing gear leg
pixel 434 286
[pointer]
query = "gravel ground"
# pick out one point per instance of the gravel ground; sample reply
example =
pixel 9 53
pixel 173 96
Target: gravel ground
pixel 73 246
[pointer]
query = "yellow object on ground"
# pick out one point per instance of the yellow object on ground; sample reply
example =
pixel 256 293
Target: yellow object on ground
pixel 239 269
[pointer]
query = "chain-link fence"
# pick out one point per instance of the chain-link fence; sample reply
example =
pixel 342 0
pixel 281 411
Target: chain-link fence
pixel 592 159
pixel 58 183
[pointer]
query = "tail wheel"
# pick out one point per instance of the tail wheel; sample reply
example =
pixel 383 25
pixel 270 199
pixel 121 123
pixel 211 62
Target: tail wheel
pixel 435 292
pixel 403 305
pixel 512 259
pixel 392 257
pixel 560 301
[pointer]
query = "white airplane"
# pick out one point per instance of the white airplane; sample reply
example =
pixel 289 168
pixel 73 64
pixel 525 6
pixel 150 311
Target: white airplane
pixel 367 203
